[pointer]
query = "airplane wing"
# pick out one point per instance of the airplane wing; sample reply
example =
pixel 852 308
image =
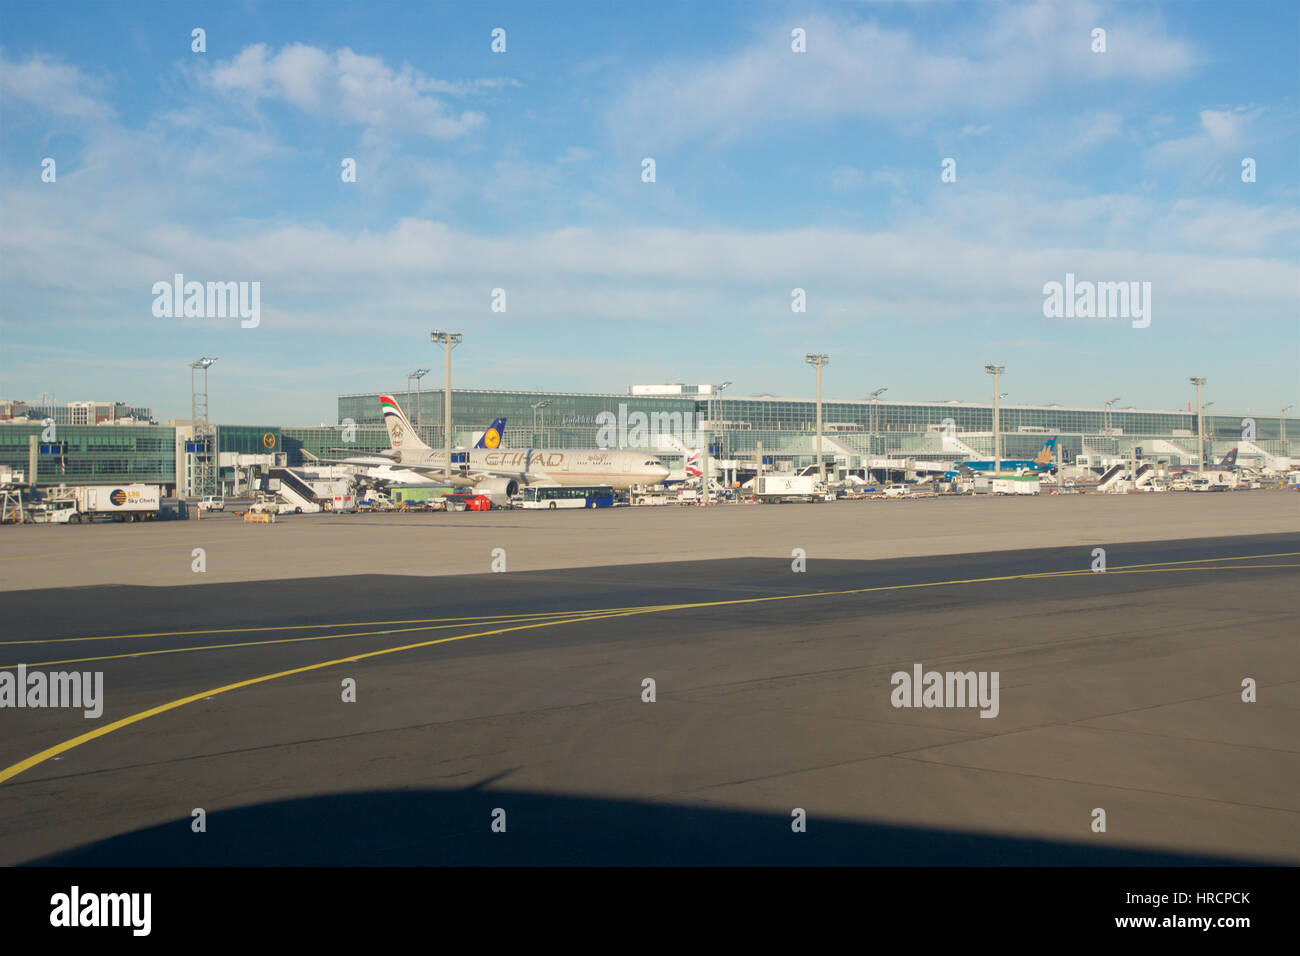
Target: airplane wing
pixel 470 477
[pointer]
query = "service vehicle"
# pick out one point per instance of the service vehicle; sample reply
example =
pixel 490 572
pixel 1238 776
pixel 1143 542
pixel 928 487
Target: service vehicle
pixel 788 488
pixel 552 497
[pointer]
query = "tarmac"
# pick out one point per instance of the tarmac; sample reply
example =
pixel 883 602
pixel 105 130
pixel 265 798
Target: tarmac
pixel 429 544
pixel 519 700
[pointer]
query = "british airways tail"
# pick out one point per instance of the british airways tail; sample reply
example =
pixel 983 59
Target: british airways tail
pixel 401 435
pixel 493 436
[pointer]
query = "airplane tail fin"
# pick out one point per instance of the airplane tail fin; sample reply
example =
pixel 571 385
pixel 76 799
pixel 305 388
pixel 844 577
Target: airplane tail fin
pixel 693 469
pixel 493 436
pixel 401 435
pixel 1044 456
pixel 1229 460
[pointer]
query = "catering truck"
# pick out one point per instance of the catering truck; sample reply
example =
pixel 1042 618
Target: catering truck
pixel 788 488
pixel 87 502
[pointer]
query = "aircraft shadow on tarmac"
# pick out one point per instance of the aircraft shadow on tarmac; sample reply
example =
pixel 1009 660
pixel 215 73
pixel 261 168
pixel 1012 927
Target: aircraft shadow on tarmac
pixel 453 828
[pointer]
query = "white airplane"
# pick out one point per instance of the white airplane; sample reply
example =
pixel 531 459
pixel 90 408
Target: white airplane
pixel 504 470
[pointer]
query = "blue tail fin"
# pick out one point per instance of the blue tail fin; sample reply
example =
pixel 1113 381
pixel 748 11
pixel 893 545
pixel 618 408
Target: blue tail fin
pixel 493 436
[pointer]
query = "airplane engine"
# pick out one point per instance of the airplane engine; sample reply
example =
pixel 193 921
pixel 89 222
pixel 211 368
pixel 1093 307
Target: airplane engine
pixel 497 487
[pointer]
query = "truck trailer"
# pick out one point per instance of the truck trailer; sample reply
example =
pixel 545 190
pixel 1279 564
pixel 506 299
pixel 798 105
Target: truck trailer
pixel 87 502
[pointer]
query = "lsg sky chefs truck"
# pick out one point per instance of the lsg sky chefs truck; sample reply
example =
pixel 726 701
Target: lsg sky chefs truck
pixel 88 502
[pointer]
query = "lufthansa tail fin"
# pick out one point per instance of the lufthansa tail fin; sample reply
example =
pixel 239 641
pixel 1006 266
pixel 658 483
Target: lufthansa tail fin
pixel 1229 460
pixel 493 437
pixel 401 435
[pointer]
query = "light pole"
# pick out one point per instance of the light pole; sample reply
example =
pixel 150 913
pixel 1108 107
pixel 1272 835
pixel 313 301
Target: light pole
pixel 1209 435
pixel 199 428
pixel 535 406
pixel 995 371
pixel 450 340
pixel 418 374
pixel 819 360
pixel 708 431
pixel 875 422
pixel 1108 424
pixel 1200 426
pixel 1281 420
pixel 199 399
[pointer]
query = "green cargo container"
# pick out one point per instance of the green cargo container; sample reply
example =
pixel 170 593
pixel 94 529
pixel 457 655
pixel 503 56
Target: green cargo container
pixel 417 494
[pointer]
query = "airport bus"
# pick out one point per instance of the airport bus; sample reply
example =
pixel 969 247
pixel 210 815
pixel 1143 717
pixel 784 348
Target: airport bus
pixel 569 496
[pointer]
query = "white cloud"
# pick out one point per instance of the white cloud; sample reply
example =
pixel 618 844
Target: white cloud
pixel 1022 54
pixel 844 178
pixel 576 154
pixel 52 87
pixel 348 87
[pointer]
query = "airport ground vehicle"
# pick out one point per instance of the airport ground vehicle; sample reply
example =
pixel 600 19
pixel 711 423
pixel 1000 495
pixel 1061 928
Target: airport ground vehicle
pixel 54 511
pixel 896 491
pixel 552 497
pixel 134 502
pixel 787 488
pixel 212 503
pixel 467 502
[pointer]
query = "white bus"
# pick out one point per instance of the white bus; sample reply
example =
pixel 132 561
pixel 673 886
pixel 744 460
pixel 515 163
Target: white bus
pixel 568 496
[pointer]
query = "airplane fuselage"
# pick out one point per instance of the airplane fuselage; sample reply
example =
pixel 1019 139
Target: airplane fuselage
pixel 533 466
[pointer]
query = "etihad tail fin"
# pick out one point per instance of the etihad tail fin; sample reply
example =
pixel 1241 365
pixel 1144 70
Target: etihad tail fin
pixel 493 436
pixel 401 434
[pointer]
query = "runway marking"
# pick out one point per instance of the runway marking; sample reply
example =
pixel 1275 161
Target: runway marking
pixel 287 640
pixel 577 616
pixel 538 615
pixel 481 619
pixel 15 769
pixel 61 748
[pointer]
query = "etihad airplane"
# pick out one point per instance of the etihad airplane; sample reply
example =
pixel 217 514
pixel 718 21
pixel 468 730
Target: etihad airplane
pixel 505 471
pixel 381 470
pixel 1040 462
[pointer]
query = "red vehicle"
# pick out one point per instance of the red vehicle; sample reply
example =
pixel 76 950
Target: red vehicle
pixel 468 502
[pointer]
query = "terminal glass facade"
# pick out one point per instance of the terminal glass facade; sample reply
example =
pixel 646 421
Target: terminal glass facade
pixel 859 429
pixel 93 454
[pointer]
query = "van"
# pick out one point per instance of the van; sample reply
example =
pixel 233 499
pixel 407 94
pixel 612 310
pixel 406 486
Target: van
pixel 896 491
pixel 212 503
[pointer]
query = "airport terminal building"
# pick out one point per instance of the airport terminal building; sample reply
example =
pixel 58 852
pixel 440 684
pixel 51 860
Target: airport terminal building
pixel 888 438
pixel 854 432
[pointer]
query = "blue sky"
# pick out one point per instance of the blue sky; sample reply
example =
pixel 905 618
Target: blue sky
pixel 775 170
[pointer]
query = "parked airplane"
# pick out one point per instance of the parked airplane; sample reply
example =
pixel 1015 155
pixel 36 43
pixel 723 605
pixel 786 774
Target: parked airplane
pixel 1229 463
pixel 1040 462
pixel 380 472
pixel 493 437
pixel 504 471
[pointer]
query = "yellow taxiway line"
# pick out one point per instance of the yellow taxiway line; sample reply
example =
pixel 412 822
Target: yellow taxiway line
pixel 14 770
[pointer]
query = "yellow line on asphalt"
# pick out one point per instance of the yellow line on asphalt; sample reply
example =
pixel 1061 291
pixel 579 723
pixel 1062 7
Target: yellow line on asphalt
pixel 282 640
pixel 36 759
pixel 468 621
pixel 15 769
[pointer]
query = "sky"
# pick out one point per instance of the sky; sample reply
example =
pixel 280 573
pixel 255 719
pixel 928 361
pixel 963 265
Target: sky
pixel 921 171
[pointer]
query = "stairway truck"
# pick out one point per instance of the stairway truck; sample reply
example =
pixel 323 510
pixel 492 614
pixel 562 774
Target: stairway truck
pixel 120 502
